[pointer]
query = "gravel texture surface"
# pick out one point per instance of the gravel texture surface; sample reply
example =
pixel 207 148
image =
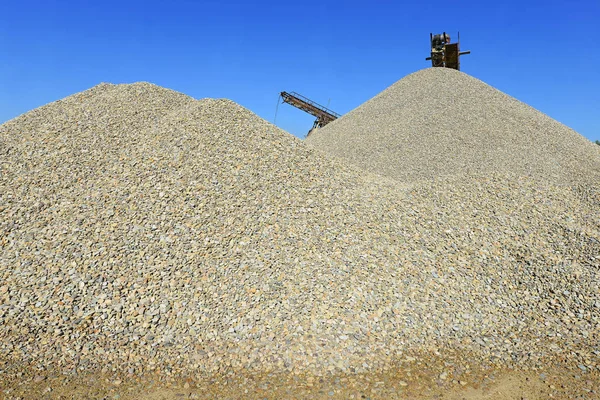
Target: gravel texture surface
pixel 142 230
pixel 440 122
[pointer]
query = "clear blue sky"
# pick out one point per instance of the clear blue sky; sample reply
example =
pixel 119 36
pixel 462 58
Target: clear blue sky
pixel 544 53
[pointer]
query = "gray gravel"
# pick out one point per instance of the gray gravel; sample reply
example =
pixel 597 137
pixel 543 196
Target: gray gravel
pixel 440 122
pixel 142 230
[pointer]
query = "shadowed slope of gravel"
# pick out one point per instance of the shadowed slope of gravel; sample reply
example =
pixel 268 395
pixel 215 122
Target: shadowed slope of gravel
pixel 143 230
pixel 440 122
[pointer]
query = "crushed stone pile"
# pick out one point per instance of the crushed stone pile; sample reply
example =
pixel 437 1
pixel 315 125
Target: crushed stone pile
pixel 439 122
pixel 142 230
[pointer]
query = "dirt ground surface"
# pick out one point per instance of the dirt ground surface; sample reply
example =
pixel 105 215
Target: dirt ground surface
pixel 417 382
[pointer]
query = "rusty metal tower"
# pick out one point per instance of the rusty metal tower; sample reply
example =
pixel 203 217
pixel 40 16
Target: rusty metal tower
pixel 444 53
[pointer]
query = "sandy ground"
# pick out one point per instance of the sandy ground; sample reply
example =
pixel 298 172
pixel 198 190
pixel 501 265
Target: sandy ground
pixel 416 384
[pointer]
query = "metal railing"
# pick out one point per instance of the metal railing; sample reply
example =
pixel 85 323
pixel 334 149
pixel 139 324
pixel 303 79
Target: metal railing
pixel 311 107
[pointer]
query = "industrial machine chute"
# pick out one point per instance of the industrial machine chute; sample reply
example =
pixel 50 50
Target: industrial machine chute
pixel 323 114
pixel 444 53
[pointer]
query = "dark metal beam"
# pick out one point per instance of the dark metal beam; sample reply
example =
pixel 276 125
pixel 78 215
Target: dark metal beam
pixel 322 113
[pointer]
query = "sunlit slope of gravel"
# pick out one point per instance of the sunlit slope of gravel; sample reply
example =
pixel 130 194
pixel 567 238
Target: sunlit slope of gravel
pixel 142 230
pixel 439 122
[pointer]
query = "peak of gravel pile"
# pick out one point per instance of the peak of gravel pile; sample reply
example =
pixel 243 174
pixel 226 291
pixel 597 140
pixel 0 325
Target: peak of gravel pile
pixel 439 122
pixel 142 230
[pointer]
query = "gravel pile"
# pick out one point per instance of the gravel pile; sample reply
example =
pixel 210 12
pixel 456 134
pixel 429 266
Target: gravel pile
pixel 440 122
pixel 142 230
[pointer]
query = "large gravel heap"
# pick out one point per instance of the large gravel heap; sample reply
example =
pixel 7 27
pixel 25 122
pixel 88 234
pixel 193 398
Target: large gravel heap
pixel 439 122
pixel 142 230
